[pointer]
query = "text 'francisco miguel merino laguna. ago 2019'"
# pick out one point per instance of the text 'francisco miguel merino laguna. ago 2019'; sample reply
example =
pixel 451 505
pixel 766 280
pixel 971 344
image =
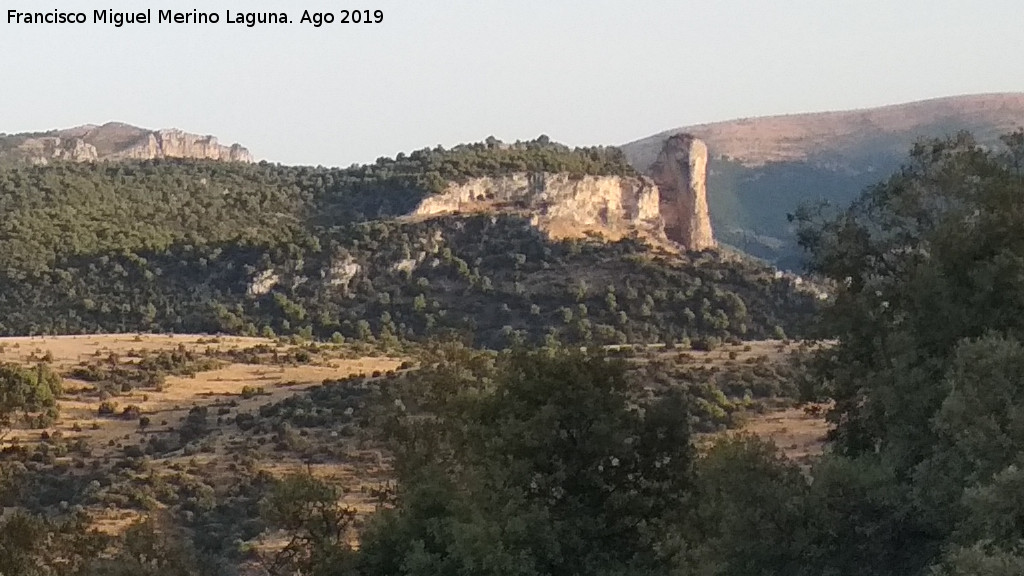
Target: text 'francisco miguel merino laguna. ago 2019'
pixel 150 16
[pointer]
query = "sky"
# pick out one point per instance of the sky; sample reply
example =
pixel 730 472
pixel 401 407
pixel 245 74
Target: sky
pixel 584 72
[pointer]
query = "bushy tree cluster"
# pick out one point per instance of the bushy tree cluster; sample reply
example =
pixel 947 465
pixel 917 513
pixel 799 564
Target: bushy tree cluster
pixel 927 374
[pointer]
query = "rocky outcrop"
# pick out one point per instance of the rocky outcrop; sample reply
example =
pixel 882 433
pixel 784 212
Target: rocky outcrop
pixel 669 209
pixel 611 207
pixel 116 141
pixel 263 283
pixel 680 172
pixel 341 273
pixel 46 149
pixel 178 144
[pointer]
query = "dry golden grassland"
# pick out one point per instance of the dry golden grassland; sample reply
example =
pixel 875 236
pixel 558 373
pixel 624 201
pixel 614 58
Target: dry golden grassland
pixel 799 431
pixel 220 390
pixel 363 467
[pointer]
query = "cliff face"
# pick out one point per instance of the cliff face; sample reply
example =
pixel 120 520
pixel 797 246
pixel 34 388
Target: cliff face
pixel 680 171
pixel 670 209
pixel 115 141
pixel 178 144
pixel 611 207
pixel 44 149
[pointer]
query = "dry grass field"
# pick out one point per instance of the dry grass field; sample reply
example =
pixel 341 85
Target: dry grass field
pixel 799 431
pixel 228 389
pixel 180 393
pixel 227 386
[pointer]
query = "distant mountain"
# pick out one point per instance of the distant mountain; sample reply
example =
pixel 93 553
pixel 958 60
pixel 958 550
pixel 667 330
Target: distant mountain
pixel 114 141
pixel 761 169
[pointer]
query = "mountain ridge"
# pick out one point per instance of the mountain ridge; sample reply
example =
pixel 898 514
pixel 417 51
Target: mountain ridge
pixel 762 169
pixel 115 141
pixel 993 113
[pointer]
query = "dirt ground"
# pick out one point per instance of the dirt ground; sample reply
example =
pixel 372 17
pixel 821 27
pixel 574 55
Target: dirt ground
pixel 798 432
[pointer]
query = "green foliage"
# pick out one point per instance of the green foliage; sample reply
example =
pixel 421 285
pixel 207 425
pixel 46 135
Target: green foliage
pixel 549 470
pixel 149 547
pixel 318 526
pixel 928 370
pixel 207 289
pixel 922 261
pixel 753 506
pixel 978 561
pixel 37 546
pixel 750 204
pixel 27 391
pixel 979 425
pixel 57 212
pixel 864 521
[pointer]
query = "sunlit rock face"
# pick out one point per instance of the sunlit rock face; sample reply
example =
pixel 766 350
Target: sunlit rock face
pixel 668 209
pixel 680 172
pixel 560 205
pixel 115 141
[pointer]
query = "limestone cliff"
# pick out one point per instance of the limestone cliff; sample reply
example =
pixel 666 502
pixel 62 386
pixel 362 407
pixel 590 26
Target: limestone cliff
pixel 670 209
pixel 44 149
pixel 178 144
pixel 611 207
pixel 680 171
pixel 115 141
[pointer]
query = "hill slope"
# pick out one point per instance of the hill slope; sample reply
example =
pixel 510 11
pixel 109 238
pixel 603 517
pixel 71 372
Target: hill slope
pixel 244 248
pixel 760 169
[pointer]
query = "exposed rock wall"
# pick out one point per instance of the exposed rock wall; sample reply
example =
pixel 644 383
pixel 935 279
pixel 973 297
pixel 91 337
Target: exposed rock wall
pixel 563 207
pixel 672 206
pixel 178 144
pixel 115 141
pixel 43 150
pixel 680 172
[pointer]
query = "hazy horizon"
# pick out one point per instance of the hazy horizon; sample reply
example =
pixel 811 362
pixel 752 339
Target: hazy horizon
pixel 584 74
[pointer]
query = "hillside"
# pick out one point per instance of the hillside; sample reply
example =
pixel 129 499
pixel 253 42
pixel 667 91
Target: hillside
pixel 760 169
pixel 202 246
pixel 114 141
pixel 891 450
pixel 195 433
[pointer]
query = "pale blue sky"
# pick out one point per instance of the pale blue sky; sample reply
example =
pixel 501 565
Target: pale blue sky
pixel 449 71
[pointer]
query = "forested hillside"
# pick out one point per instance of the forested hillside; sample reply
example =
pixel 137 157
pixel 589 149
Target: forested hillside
pixel 190 246
pixel 550 460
